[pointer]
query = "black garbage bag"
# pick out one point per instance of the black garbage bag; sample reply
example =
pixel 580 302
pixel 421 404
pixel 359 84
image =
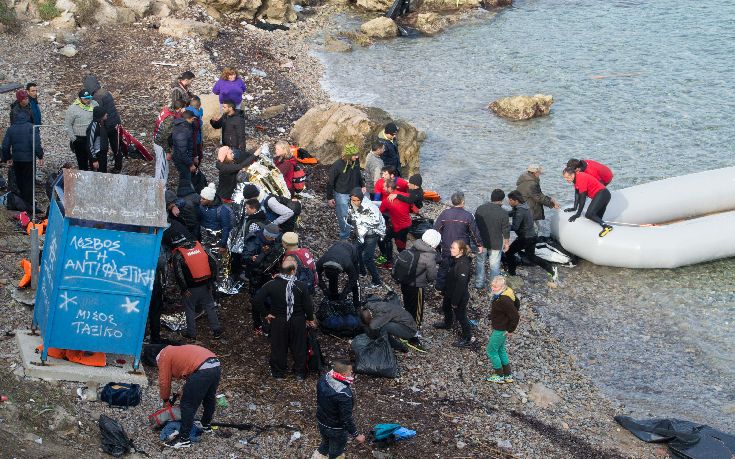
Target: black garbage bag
pixel 338 317
pixel 685 439
pixel 374 357
pixel 114 439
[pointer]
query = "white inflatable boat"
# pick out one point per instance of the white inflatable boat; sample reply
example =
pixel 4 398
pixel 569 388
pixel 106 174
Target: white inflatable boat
pixel 664 224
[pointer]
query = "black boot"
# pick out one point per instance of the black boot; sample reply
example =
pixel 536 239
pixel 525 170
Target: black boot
pixel 465 342
pixel 442 326
pixel 507 373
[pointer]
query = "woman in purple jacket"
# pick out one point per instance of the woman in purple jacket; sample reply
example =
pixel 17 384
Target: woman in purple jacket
pixel 229 87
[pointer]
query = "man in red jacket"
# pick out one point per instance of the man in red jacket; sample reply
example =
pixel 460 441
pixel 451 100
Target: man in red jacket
pixel 597 170
pixel 200 368
pixel 388 174
pixel 400 217
pixel 586 185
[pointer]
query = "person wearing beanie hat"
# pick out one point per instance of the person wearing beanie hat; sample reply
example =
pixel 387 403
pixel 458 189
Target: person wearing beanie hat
pixel 214 215
pixel 290 240
pixel 21 104
pixel 208 193
pixel 250 191
pixel 492 222
pixel 432 237
pixel 77 118
pixel 271 231
pixel 303 258
pixel 228 169
pixel 529 185
pixel 344 175
pixel 415 193
pixel 18 151
pixel 389 138
pixel 369 227
pixel 97 141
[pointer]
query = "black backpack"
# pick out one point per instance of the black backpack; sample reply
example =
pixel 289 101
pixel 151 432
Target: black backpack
pixel 114 439
pixel 315 359
pixel 290 224
pixel 404 269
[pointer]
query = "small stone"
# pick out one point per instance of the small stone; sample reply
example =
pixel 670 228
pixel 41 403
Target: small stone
pixel 258 72
pixel 68 51
pixel 505 444
pixel 565 426
pixel 270 112
pixel 461 444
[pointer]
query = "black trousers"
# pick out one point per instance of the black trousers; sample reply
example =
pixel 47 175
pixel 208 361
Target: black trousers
pixel 79 147
pixel 460 312
pixel 25 181
pixel 101 162
pixel 597 207
pixel 114 142
pixel 334 293
pixel 441 274
pixel 333 442
pixel 154 312
pixel 528 247
pixel 200 389
pixel 288 335
pixel 413 301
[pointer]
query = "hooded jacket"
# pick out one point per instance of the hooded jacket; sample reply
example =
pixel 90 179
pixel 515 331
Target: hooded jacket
pixel 344 176
pixel 388 311
pixel 503 313
pixel 334 404
pixel 16 108
pixel 345 255
pixel 366 220
pixel 522 222
pixel 104 99
pixel 179 92
pixel 233 129
pixel 18 140
pixel 390 155
pixel 458 279
pixel 96 140
pixel 183 143
pixel 530 188
pixel 454 224
pixel 215 218
pixel 427 267
pixel 492 222
pixel 77 118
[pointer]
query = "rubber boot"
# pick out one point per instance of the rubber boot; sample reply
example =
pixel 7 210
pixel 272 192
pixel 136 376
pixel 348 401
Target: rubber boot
pixel 507 373
pixel 318 455
pixel 26 280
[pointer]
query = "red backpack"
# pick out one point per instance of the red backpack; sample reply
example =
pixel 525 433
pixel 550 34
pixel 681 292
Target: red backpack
pixel 197 261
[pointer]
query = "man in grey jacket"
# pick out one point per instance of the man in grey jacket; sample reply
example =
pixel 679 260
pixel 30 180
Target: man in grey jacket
pixel 374 164
pixel 526 240
pixel 492 222
pixel 529 185
pixel 389 318
pixel 76 120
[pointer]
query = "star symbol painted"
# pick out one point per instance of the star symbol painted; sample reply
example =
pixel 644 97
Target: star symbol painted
pixel 130 306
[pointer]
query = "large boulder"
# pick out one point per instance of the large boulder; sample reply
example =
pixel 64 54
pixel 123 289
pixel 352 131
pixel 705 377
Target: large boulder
pixel 66 5
pixel 430 23
pixel 335 45
pixel 182 28
pixel 522 107
pixel 64 22
pixel 325 129
pixel 277 11
pixel 375 5
pixel 139 7
pixel 107 13
pixel 210 105
pixel 381 27
pixel 246 9
pixel 446 5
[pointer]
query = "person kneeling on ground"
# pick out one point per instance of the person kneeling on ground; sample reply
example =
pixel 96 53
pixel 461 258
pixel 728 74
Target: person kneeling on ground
pixel 504 319
pixel 286 304
pixel 391 319
pixel 586 185
pixel 340 258
pixel 195 271
pixel 334 404
pixel 200 368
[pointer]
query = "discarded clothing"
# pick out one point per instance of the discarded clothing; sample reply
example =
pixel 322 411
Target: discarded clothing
pixel 172 428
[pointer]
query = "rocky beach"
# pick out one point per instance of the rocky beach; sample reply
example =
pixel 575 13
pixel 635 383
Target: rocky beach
pixel 553 410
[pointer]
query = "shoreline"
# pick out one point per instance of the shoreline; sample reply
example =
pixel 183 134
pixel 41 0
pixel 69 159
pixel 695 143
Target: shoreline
pixel 478 416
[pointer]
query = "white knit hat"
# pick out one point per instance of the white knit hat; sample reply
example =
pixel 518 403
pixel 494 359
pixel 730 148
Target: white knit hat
pixel 209 192
pixel 432 237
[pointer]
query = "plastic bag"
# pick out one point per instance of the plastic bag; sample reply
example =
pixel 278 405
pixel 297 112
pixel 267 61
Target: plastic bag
pixel 374 356
pixel 114 439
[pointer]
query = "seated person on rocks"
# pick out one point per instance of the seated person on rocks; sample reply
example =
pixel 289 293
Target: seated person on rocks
pixel 303 258
pixel 340 258
pixel 195 272
pixel 286 305
pixel 390 318
pixel 275 211
pixel 228 169
pixel 200 368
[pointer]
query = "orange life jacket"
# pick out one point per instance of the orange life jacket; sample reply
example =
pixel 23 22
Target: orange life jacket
pixel 53 352
pixel 197 261
pixel 91 359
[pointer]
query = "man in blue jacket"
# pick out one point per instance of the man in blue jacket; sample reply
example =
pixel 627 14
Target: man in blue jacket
pixel 32 90
pixel 334 404
pixel 17 150
pixel 183 155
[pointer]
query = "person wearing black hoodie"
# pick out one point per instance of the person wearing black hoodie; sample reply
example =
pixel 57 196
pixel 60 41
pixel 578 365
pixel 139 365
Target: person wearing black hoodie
pixel 183 153
pixel 97 140
pixel 107 102
pixel 522 224
pixel 17 150
pixel 457 294
pixel 340 258
pixel 232 123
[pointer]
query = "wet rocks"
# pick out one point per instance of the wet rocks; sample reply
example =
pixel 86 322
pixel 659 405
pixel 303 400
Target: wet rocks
pixel 272 111
pixel 542 396
pixel 335 45
pixel 277 10
pixel 374 5
pixel 523 107
pixel 446 5
pixel 381 27
pixel 325 129
pixel 181 28
pixel 430 23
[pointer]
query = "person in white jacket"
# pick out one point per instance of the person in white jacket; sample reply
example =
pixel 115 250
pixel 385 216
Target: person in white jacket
pixel 369 227
pixel 76 120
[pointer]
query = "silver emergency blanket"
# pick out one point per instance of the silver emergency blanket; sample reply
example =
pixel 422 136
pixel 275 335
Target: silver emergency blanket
pixel 366 220
pixel 174 322
pixel 225 283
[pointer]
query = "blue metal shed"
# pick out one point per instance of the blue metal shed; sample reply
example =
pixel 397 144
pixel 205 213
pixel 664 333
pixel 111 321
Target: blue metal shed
pixel 99 262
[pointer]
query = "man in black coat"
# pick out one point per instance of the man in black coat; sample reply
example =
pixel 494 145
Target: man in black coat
pixel 340 258
pixel 17 150
pixel 389 138
pixel 286 304
pixel 183 152
pixel 107 102
pixel 232 123
pixel 526 241
pixel 492 222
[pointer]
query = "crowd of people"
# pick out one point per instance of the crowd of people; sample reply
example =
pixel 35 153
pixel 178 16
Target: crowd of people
pixel 235 232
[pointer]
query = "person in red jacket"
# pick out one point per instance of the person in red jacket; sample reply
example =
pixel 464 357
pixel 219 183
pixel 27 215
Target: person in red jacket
pixel 597 170
pixel 200 368
pixel 586 185
pixel 388 174
pixel 400 216
pixel 285 162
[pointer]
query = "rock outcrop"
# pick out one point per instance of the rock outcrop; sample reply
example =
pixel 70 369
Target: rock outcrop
pixel 278 11
pixel 445 5
pixel 430 23
pixel 335 45
pixel 375 5
pixel 210 106
pixel 181 28
pixel 64 22
pixel 522 107
pixel 381 27
pixel 325 129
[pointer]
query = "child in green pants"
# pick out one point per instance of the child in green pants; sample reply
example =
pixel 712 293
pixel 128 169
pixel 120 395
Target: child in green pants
pixel 504 319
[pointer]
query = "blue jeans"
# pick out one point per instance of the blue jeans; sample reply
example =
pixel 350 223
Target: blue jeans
pixel 366 252
pixel 480 268
pixel 342 202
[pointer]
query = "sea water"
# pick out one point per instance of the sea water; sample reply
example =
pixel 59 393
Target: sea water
pixel 646 87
